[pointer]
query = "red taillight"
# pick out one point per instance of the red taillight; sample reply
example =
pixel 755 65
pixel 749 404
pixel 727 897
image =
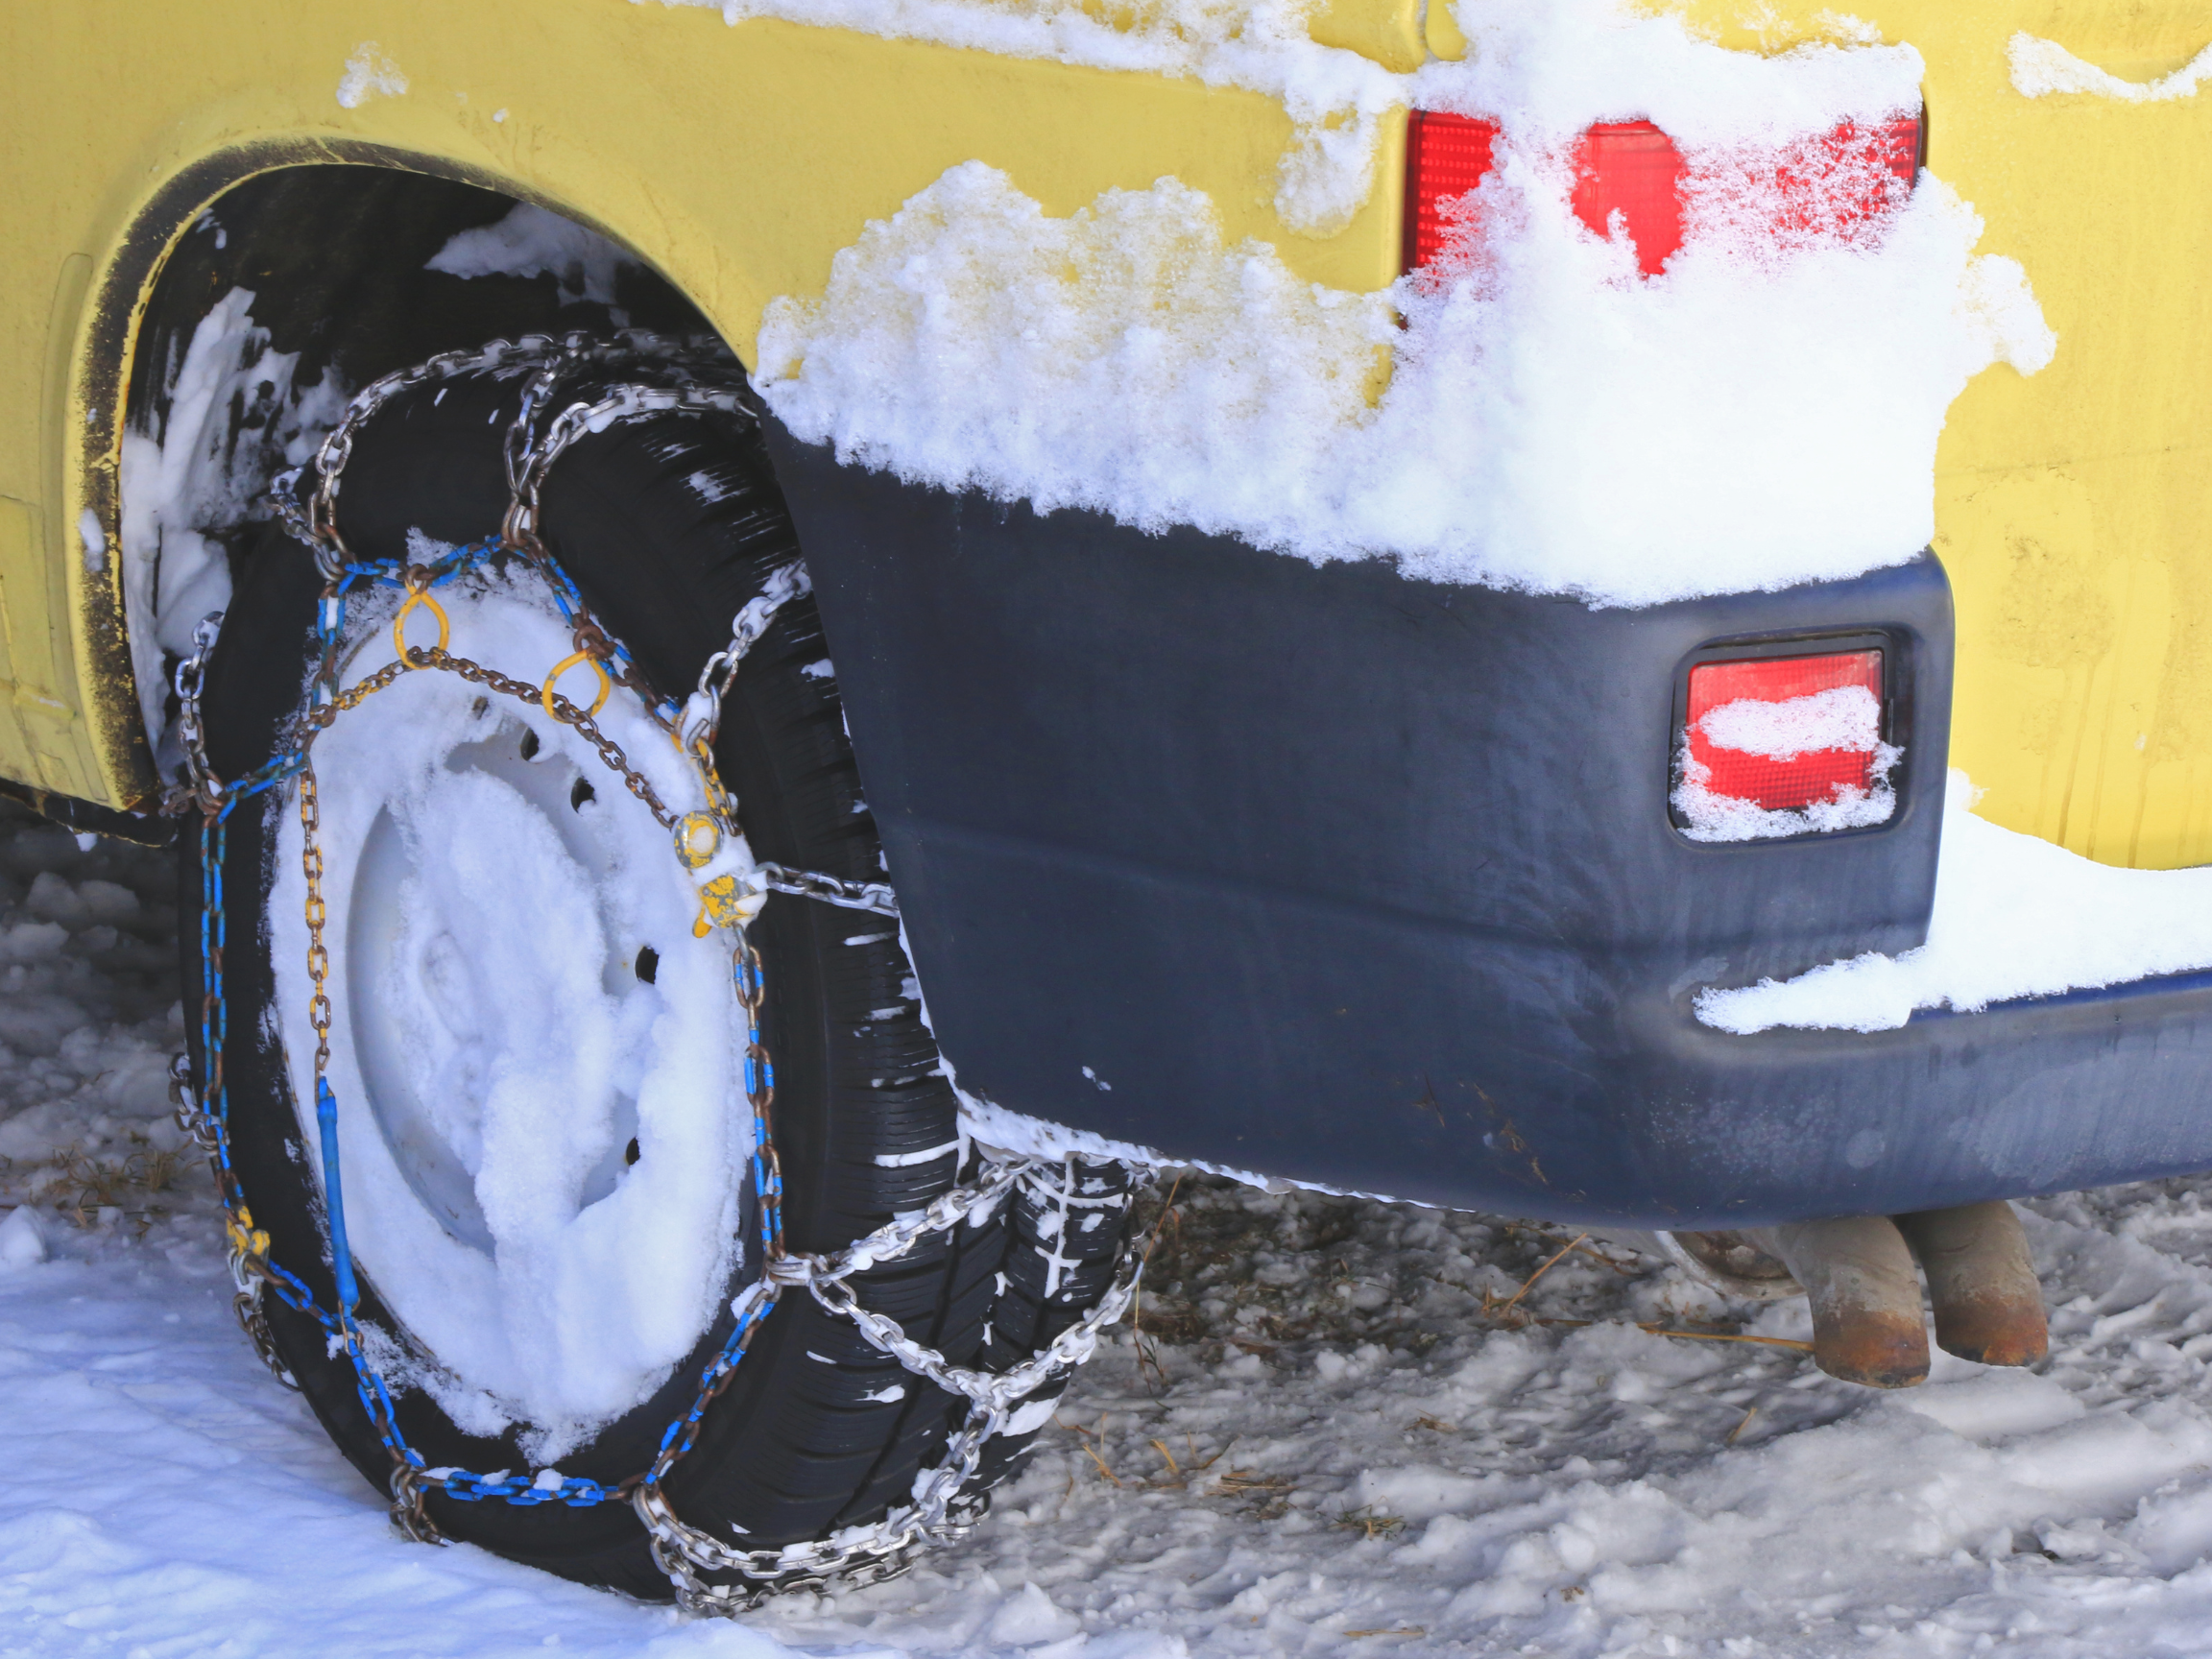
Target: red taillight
pixel 1633 169
pixel 1446 156
pixel 1833 185
pixel 1753 726
pixel 1827 186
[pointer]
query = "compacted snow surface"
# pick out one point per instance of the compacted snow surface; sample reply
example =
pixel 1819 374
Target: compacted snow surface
pixel 1333 1437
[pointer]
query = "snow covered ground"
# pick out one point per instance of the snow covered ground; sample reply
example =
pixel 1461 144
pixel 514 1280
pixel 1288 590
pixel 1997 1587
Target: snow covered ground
pixel 1333 1437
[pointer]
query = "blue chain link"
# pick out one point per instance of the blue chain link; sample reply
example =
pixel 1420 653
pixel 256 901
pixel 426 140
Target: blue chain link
pixel 750 1308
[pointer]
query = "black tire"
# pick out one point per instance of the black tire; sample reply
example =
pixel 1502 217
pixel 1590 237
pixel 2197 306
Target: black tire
pixel 795 1448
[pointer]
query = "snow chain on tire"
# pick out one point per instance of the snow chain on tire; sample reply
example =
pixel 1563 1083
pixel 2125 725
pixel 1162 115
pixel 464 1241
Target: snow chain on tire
pixel 684 376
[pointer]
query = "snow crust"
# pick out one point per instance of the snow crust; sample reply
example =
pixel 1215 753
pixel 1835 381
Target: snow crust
pixel 1841 718
pixel 1716 817
pixel 1548 72
pixel 2014 916
pixel 533 240
pixel 2041 68
pixel 193 479
pixel 1334 98
pixel 515 1025
pixel 1764 413
pixel 370 73
pixel 93 539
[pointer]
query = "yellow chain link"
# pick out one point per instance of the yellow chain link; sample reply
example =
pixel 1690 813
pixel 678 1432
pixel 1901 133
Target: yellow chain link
pixel 599 666
pixel 418 593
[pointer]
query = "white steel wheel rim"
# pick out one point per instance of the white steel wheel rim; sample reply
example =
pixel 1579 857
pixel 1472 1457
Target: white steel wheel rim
pixel 541 1149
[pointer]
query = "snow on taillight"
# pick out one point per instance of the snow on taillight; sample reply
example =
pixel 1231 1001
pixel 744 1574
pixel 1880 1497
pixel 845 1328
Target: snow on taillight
pixel 1788 732
pixel 1833 186
pixel 1629 178
pixel 1446 156
pixel 1784 746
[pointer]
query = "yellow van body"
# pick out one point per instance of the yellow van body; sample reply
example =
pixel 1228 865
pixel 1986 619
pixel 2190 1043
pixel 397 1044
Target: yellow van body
pixel 737 159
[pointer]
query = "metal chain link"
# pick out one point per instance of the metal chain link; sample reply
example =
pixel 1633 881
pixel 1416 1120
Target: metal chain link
pixel 561 710
pixel 875 897
pixel 200 781
pixel 245 1244
pixel 544 356
pixel 702 719
pixel 620 403
pixel 941 1506
pixel 940 1509
pixel 527 457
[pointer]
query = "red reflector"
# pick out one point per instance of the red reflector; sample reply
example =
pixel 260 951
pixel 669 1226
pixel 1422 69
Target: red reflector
pixel 1446 156
pixel 1746 720
pixel 1633 169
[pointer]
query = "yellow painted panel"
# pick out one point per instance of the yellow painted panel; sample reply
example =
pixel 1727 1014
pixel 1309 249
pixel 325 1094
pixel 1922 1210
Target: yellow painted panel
pixel 1387 31
pixel 22 603
pixel 29 659
pixel 737 160
pixel 39 731
pixel 1445 39
pixel 2068 637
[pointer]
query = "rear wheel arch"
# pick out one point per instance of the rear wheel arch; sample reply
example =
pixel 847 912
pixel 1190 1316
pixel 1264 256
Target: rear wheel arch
pixel 332 240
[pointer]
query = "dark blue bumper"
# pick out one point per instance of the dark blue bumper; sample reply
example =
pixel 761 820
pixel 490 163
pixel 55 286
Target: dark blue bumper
pixel 1328 874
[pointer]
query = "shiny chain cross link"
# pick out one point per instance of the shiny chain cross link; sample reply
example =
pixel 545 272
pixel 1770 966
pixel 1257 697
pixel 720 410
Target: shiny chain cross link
pixel 939 1509
pixel 941 1506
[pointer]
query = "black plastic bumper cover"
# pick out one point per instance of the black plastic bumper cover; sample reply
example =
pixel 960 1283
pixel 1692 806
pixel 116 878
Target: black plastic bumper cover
pixel 1328 874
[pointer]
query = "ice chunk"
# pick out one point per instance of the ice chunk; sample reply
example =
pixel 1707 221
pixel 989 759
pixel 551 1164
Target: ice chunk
pixel 1029 1616
pixel 22 1240
pixel 530 241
